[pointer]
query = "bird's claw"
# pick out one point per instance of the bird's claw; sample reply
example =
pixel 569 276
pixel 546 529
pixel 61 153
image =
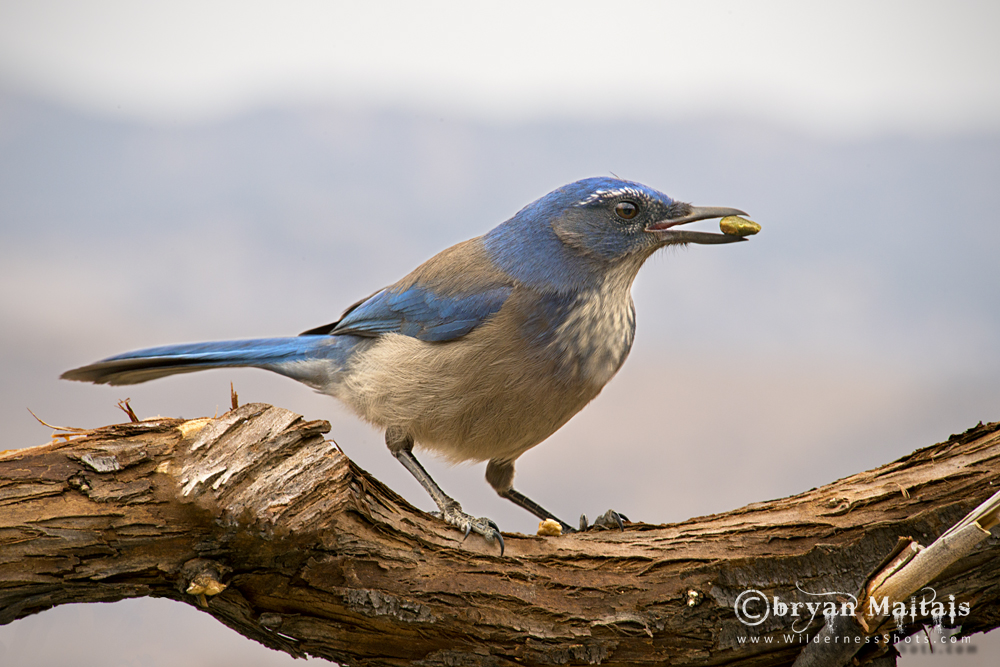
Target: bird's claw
pixel 469 524
pixel 607 521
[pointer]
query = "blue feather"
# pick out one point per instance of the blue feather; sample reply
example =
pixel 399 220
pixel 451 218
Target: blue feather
pixel 294 357
pixel 422 313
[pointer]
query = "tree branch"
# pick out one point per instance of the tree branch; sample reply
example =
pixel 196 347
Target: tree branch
pixel 257 520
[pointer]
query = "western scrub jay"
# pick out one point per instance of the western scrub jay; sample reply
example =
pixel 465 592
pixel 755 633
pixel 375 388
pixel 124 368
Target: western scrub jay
pixel 486 349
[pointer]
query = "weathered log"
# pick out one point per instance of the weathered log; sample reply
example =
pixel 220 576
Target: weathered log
pixel 259 521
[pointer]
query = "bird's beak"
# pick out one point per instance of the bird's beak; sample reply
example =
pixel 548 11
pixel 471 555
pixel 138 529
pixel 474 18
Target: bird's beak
pixel 663 228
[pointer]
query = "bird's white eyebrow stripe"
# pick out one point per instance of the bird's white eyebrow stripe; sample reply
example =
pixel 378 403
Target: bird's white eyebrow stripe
pixel 613 193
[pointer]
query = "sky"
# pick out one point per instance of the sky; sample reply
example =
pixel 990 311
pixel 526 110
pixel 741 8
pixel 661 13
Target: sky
pixel 844 67
pixel 174 172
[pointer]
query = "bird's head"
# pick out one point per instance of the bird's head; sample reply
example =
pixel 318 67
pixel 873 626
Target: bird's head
pixel 613 219
pixel 590 226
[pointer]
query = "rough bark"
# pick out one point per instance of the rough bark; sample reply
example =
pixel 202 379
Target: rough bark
pixel 257 520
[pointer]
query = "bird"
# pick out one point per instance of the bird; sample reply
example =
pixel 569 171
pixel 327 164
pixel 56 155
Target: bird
pixel 484 350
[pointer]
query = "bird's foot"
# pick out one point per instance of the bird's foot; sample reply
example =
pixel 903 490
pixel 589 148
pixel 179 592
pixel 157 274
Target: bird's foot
pixel 607 521
pixel 454 515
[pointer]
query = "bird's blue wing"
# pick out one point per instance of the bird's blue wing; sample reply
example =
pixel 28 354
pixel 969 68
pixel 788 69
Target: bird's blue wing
pixel 422 313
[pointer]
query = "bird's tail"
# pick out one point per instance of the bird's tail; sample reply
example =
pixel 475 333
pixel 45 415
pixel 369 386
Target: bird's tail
pixel 313 360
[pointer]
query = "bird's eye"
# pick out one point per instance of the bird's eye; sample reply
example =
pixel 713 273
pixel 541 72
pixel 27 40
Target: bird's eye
pixel 626 210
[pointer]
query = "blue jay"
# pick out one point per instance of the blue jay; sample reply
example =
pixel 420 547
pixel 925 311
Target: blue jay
pixel 486 349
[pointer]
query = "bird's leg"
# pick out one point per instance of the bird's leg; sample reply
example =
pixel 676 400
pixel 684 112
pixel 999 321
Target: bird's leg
pixel 527 503
pixel 401 446
pixel 500 475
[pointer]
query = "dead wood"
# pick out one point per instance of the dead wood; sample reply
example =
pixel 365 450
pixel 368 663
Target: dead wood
pixel 259 521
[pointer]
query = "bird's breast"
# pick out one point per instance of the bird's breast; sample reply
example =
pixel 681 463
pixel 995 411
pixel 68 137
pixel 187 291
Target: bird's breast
pixel 595 336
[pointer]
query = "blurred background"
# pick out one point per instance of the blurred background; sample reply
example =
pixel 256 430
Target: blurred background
pixel 183 171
